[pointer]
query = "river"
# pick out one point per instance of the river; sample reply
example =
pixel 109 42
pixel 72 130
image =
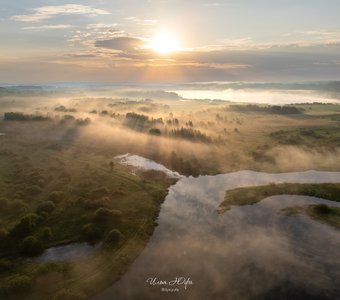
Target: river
pixel 249 252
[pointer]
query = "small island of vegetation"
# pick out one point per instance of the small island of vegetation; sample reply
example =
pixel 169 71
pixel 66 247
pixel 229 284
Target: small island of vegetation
pixel 254 194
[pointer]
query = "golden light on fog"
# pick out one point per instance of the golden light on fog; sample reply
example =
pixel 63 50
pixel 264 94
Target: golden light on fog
pixel 164 43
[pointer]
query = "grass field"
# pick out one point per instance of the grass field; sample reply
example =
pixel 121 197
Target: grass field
pixel 54 192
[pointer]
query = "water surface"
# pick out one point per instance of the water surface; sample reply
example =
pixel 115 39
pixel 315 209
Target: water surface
pixel 71 252
pixel 145 164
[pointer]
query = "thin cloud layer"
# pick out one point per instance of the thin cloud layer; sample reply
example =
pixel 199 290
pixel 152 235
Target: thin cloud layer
pixel 48 12
pixel 48 27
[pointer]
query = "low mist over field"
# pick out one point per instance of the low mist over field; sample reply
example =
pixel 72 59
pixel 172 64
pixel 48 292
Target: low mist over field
pixel 192 136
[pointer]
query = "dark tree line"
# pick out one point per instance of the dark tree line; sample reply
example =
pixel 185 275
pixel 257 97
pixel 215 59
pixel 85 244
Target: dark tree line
pixel 18 116
pixel 190 134
pixel 273 109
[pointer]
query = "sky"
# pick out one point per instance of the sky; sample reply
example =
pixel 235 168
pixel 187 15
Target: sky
pixel 120 41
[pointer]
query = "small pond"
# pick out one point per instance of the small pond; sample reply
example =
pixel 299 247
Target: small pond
pixel 71 252
pixel 145 164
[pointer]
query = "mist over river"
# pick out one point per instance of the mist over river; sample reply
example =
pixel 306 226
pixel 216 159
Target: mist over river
pixel 249 252
pixel 273 97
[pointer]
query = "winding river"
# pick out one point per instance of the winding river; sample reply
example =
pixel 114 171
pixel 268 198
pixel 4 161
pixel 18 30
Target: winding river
pixel 249 252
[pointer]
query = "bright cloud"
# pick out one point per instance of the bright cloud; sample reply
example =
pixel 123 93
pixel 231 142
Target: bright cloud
pixel 48 27
pixel 48 12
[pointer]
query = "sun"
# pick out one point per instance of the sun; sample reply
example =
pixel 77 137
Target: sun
pixel 164 43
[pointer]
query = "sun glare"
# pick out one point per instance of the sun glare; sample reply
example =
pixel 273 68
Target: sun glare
pixel 164 43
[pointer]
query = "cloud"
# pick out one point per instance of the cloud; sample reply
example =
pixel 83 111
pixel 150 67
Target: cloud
pixel 7 58
pixel 142 22
pixel 233 59
pixel 92 33
pixel 302 39
pixel 48 12
pixel 101 26
pixel 80 55
pixel 121 43
pixel 321 37
pixel 48 27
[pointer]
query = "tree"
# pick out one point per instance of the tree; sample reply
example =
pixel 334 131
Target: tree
pixel 47 206
pixel 91 232
pixel 113 239
pixel 45 234
pixel 3 234
pixel 105 214
pixel 155 131
pixel 4 204
pixel 26 225
pixel 33 190
pixel 56 196
pixel 31 246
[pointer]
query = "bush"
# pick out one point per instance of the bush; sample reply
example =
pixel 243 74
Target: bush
pixel 99 192
pixel 105 214
pixel 5 265
pixel 18 283
pixel 47 207
pixel 113 238
pixel 91 232
pixel 33 190
pixel 17 206
pixel 31 246
pixel 93 204
pixel 26 225
pixel 58 267
pixel 45 234
pixel 322 209
pixel 3 234
pixel 69 295
pixel 4 204
pixel 56 196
